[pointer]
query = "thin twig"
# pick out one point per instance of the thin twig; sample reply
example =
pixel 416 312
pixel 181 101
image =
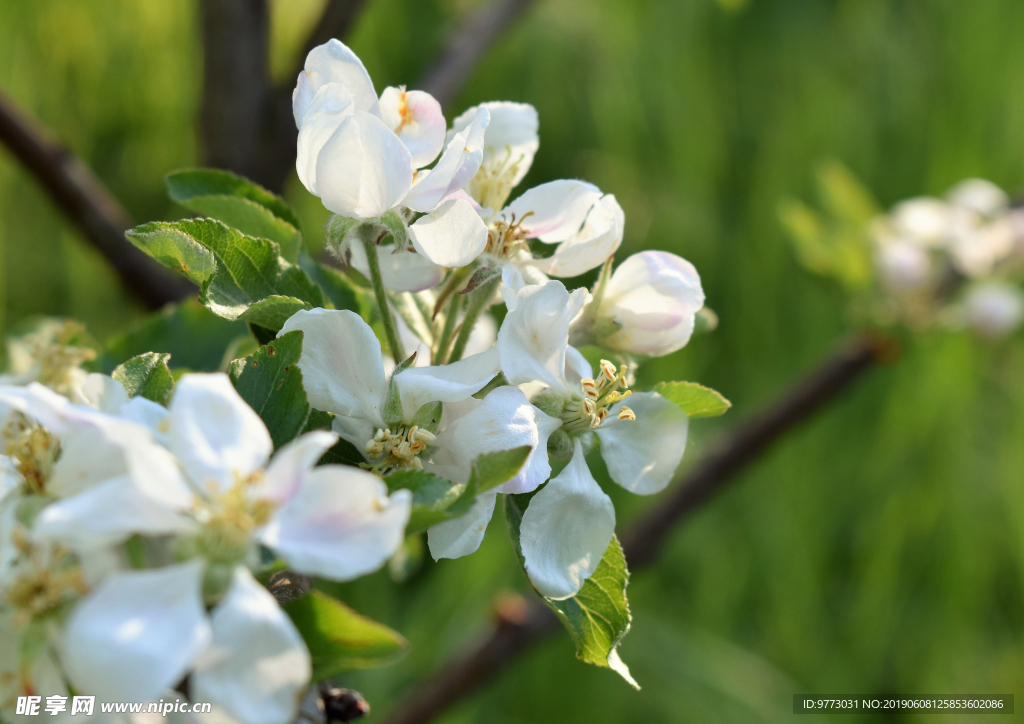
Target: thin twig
pixel 644 539
pixel 88 205
pixel 445 76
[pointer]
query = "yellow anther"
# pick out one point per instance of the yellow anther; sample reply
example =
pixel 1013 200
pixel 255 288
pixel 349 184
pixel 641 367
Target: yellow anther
pixel 626 414
pixel 608 370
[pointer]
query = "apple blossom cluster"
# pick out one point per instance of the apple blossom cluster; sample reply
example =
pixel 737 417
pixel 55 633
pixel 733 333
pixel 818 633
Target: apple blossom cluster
pixel 454 234
pixel 144 512
pixel 954 261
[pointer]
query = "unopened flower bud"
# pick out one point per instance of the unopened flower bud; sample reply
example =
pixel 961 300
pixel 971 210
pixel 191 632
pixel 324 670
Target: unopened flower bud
pixel 993 309
pixel 652 298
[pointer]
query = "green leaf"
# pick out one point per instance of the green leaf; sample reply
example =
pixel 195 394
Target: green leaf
pixel 343 453
pixel 269 380
pixel 339 639
pixel 147 375
pixel 234 271
pixel 597 618
pixel 318 420
pixel 342 293
pixel 240 203
pixel 696 400
pixel 432 496
pixel 271 313
pixel 195 337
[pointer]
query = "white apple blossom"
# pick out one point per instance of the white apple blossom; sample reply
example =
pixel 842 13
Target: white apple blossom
pixel 570 522
pixel 224 500
pixel 365 157
pixel 49 355
pixel 647 306
pixel 993 309
pixel 586 225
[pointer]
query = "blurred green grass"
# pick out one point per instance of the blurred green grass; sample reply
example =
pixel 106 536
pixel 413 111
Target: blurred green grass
pixel 877 550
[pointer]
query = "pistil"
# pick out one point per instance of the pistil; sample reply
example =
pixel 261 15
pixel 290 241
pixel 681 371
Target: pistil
pixel 399 450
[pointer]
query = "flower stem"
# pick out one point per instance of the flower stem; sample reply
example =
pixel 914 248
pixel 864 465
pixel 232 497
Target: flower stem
pixel 450 319
pixel 479 300
pixel 368 236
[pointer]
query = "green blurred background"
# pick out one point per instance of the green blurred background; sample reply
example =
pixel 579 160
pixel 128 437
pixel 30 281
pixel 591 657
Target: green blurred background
pixel 876 551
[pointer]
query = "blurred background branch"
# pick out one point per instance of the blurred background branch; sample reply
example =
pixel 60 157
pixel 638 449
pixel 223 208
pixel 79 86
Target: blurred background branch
pixel 518 631
pixel 87 204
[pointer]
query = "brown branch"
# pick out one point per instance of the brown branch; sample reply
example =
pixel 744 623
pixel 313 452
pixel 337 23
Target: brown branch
pixel 448 72
pixel 88 205
pixel 644 539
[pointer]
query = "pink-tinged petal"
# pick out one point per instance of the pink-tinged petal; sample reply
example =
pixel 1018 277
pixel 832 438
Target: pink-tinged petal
pixel 257 665
pixel 138 634
pixel 554 211
pixel 416 118
pixel 453 235
pixel 363 170
pixel 289 464
pixel 566 530
pixel 340 525
pixel 341 363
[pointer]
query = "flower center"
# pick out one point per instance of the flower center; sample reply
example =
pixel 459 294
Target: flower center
pixel 53 351
pixel 505 238
pixel 493 182
pixel 232 517
pixel 33 450
pixel 592 409
pixel 45 585
pixel 389 451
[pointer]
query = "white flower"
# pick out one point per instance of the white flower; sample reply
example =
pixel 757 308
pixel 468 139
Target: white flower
pixel 343 372
pixel 641 444
pixel 979 196
pixel 651 301
pixel 993 309
pixel 923 220
pixel 365 157
pixel 903 267
pixel 49 355
pixel 586 225
pixel 331 521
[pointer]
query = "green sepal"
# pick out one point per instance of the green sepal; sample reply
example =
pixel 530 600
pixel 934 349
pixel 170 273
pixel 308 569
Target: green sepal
pixel 432 496
pixel 428 417
pixel 395 225
pixel 394 416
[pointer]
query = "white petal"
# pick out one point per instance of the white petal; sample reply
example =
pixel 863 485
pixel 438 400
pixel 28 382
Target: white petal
pixel 257 665
pixel 534 335
pixel 453 235
pixel 102 392
pixel 599 238
pixel 330 107
pixel 402 271
pixel 566 530
pixel 333 62
pixel 511 141
pixel 654 297
pixel 217 437
pixel 363 170
pixel 106 514
pixel 484 335
pixel 923 220
pixel 980 196
pixel 553 211
pixel 138 633
pixel 340 525
pixel 284 474
pixel 643 454
pixel 416 118
pixel 342 366
pixel 458 165
pixel 445 383
pixel 153 416
pixel 461 536
pixel 993 309
pixel 503 420
pixel 577 368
